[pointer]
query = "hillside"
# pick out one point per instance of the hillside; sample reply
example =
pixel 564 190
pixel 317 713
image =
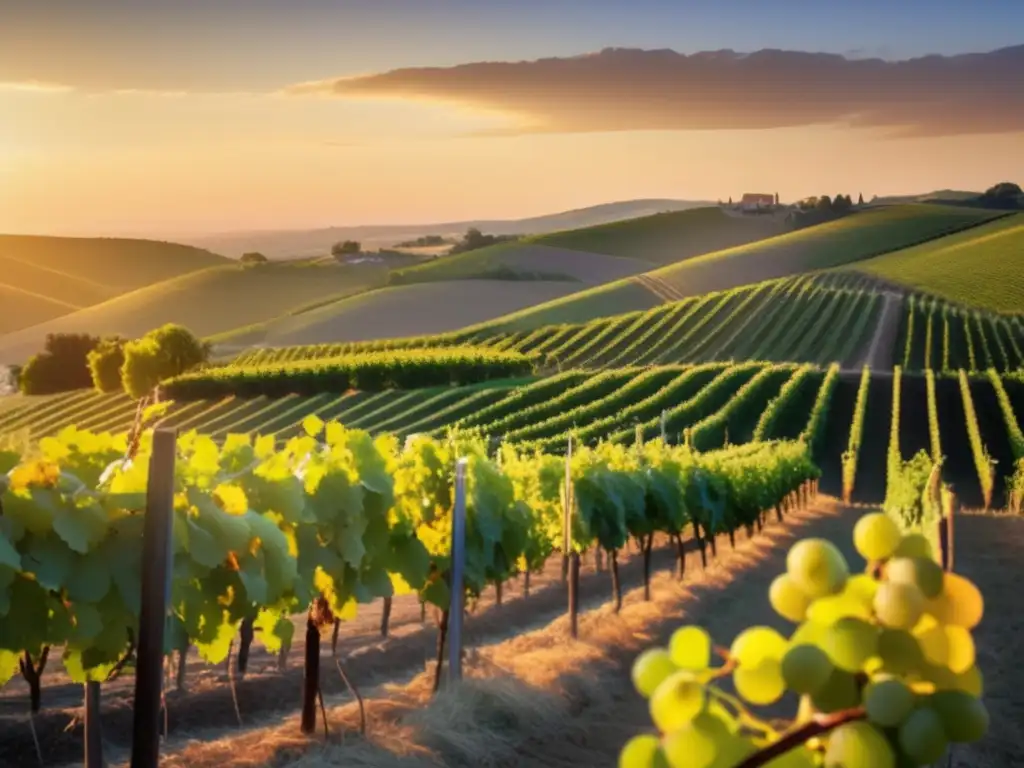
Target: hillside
pixel 409 310
pixel 312 242
pixel 207 302
pixel 521 259
pixel 667 237
pixel 42 278
pixel 982 267
pixel 853 238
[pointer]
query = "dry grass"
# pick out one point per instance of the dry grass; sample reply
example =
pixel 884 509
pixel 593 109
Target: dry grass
pixel 538 698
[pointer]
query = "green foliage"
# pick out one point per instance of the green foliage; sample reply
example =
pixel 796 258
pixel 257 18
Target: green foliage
pixel 161 354
pixel 105 364
pixel 852 453
pixel 934 431
pixel 883 663
pixel 1013 429
pixel 373 371
pixel 982 461
pixel 742 408
pixel 253 257
pixel 62 366
pixel 815 431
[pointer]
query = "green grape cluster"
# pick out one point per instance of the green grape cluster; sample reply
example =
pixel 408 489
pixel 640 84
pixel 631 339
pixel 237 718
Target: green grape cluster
pixel 883 663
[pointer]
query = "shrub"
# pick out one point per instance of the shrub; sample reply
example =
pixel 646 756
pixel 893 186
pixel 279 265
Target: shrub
pixel 161 354
pixel 62 366
pixel 105 364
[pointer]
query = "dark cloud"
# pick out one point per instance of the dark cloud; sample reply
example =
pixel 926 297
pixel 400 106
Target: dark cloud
pixel 629 89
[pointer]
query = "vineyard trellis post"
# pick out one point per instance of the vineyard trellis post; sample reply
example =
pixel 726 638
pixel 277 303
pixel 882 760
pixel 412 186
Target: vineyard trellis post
pixel 156 583
pixel 455 612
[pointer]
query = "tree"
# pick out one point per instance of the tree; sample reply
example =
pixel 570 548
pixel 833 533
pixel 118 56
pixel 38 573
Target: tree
pixel 1003 189
pixel 842 203
pixel 824 203
pixel 62 366
pixel 160 354
pixel 254 257
pixel 776 198
pixel 105 364
pixel 730 199
pixel 346 248
pixel 860 199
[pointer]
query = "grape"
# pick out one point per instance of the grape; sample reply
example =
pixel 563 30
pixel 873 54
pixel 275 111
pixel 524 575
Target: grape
pixel 876 536
pixel 922 572
pixel 650 669
pixel 754 645
pixel 690 648
pixel 817 567
pixel 888 702
pixel 862 586
pixel 900 651
pixel 970 682
pixel 914 545
pixel 964 717
pixel 788 599
pixel 806 668
pixel 960 603
pixel 677 701
pixel 960 645
pixel 828 610
pixel 922 736
pixel 642 751
pixel 808 633
pixel 935 645
pixel 762 684
pixel 898 605
pixel 699 744
pixel 858 745
pixel 851 642
pixel 839 692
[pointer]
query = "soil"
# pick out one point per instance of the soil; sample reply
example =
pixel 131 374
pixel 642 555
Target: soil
pixel 914 434
pixel 959 470
pixel 992 426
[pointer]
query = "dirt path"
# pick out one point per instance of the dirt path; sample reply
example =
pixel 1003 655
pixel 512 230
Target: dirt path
pixel 880 354
pixel 988 550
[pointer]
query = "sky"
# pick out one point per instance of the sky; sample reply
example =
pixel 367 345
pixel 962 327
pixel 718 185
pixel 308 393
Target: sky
pixel 147 117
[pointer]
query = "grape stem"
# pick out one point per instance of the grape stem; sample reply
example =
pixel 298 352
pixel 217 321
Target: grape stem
pixel 819 725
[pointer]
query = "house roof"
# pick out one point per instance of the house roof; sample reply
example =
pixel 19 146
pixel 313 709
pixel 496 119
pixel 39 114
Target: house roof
pixel 754 197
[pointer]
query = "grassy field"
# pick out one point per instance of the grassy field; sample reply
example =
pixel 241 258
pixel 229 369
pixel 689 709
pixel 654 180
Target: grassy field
pixel 45 277
pixel 858 236
pixel 523 259
pixel 982 267
pixel 408 310
pixel 209 301
pixel 666 237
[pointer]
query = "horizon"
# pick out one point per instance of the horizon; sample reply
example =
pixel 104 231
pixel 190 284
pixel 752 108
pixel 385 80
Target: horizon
pixel 176 122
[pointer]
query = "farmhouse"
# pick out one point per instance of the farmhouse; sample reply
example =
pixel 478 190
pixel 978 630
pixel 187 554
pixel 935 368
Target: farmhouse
pixel 752 201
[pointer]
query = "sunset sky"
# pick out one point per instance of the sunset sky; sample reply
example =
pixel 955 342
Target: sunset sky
pixel 162 118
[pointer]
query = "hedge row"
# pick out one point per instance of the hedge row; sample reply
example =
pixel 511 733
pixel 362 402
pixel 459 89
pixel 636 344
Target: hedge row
pixel 371 372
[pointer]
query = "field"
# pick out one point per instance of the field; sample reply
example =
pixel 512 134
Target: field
pixel 431 307
pixel 980 268
pixel 208 302
pixel 524 260
pixel 42 278
pixel 859 236
pixel 760 364
pixel 666 238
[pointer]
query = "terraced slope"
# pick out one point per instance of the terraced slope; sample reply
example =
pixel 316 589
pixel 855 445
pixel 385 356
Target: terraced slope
pixel 208 301
pixel 859 236
pixel 45 277
pixel 982 267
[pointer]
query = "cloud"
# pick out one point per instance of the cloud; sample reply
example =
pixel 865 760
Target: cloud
pixel 34 86
pixel 628 89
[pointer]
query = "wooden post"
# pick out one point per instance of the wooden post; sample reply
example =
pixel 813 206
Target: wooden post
pixel 156 584
pixel 566 514
pixel 455 611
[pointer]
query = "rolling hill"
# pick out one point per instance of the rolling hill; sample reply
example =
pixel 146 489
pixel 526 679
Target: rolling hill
pixel 982 267
pixel 42 278
pixel 527 259
pixel 408 310
pixel 312 242
pixel 856 237
pixel 209 301
pixel 667 237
